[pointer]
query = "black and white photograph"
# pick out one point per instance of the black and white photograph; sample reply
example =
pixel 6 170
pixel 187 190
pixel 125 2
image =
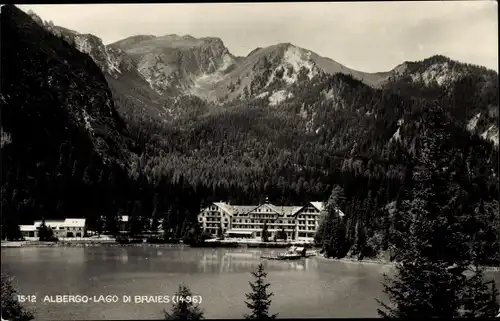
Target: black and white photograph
pixel 190 161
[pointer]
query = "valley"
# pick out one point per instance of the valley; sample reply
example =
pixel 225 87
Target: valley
pixel 168 124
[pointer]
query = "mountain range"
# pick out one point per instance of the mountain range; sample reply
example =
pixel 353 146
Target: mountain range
pixel 152 73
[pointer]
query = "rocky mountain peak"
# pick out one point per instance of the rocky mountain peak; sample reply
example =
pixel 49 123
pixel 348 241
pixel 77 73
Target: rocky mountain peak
pixel 174 64
pixel 112 61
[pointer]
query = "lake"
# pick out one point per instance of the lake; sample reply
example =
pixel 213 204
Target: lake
pixel 314 287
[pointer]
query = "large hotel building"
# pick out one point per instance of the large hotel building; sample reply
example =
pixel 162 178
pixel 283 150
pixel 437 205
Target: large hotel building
pixel 247 221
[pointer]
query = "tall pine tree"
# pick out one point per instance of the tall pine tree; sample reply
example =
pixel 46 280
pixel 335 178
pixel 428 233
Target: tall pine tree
pixel 430 278
pixel 259 299
pixel 333 227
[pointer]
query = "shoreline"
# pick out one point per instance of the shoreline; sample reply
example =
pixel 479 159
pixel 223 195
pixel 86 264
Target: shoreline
pixel 112 242
pixel 85 243
pixel 388 263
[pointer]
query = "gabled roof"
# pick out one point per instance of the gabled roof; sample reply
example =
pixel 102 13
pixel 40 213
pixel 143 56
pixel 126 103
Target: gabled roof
pixel 235 209
pixel 318 205
pixel 268 206
pixel 321 207
pixel 285 210
pixel 244 209
pixel 225 207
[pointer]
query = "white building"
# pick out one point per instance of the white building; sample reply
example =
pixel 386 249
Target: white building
pixel 70 227
pixel 247 221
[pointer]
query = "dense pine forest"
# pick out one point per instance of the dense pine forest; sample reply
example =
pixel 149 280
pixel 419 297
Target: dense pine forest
pixel 74 146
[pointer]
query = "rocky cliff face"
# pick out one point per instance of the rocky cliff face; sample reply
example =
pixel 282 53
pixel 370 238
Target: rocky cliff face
pixel 113 62
pixel 49 78
pixel 171 64
pixel 132 93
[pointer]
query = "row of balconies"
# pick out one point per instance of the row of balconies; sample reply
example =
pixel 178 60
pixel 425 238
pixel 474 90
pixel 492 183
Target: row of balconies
pixel 279 227
pixel 300 223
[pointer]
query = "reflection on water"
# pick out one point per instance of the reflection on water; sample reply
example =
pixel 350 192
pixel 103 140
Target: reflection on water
pixel 313 287
pixel 243 260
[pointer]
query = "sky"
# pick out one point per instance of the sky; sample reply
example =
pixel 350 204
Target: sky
pixel 366 36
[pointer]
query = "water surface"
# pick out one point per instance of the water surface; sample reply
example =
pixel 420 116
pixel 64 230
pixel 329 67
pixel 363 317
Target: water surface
pixel 315 287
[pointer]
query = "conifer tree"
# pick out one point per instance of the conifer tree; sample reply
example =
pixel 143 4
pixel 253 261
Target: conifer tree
pixel 167 224
pixel 221 232
pixel 259 299
pixel 11 308
pixel 154 214
pixel 265 235
pixel 334 230
pixel 11 231
pixel 430 276
pixel 136 220
pixel 45 233
pixel 186 307
pixel 479 300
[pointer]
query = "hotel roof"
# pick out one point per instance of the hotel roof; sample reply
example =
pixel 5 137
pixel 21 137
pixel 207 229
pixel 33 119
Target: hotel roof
pixel 318 205
pixel 286 211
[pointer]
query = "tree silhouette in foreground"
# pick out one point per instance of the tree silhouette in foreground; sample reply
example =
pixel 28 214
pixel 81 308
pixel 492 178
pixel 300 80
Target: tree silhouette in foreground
pixel 258 299
pixel 435 258
pixel 186 308
pixel 11 308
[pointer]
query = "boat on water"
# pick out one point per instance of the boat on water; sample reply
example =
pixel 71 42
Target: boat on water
pixel 293 253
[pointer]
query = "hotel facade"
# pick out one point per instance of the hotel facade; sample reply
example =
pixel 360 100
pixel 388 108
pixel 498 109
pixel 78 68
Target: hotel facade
pixel 300 223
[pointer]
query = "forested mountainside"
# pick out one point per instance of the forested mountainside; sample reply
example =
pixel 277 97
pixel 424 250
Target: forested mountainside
pixel 61 134
pixel 288 131
pixel 473 89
